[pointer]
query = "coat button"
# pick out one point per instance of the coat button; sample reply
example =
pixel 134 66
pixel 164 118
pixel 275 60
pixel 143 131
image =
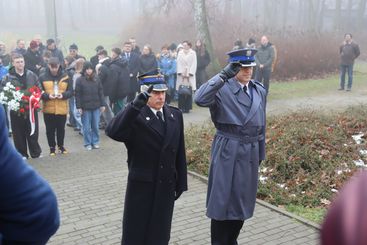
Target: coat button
pixel 161 166
pixel 253 145
pixel 160 181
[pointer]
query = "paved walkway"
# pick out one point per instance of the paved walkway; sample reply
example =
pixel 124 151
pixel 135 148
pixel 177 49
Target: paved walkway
pixel 90 187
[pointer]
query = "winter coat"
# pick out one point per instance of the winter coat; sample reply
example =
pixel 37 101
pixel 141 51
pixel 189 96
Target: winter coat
pixel 28 206
pixel 203 62
pixel 157 169
pixel 186 69
pixel 265 56
pixel 5 58
pixel 104 75
pixel 348 53
pixel 134 68
pixel 28 81
pixel 237 148
pixel 3 72
pixel 147 63
pixel 168 67
pixel 58 54
pixel 119 75
pixel 64 86
pixel 89 93
pixel 32 59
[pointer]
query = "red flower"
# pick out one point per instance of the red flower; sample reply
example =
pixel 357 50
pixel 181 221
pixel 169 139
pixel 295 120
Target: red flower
pixel 17 88
pixel 21 110
pixel 25 98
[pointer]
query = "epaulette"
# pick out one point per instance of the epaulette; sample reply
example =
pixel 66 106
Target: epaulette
pixel 173 108
pixel 259 83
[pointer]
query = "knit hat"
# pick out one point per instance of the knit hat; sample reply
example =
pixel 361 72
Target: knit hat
pixel 50 41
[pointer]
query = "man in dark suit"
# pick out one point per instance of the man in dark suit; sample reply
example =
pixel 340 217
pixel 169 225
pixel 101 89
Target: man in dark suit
pixel 28 206
pixel 134 66
pixel 153 135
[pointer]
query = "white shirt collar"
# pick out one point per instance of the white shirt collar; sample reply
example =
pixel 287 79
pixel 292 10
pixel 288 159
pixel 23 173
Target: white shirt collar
pixel 155 112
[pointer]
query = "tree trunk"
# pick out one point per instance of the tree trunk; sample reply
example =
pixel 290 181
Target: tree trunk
pixel 349 15
pixel 50 13
pixel 284 10
pixel 361 11
pixel 202 30
pixel 337 16
pixel 320 19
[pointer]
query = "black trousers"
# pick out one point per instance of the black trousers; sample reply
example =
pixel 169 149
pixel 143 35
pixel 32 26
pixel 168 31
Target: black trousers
pixel 185 102
pixel 21 135
pixel 55 124
pixel 225 232
pixel 263 76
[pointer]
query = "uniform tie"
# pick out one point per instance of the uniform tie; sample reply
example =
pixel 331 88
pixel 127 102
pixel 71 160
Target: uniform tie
pixel 246 91
pixel 160 116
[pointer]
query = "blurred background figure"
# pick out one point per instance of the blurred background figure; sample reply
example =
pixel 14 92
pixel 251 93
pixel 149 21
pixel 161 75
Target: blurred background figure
pixel 4 56
pixel 167 66
pixel 20 49
pixel 203 60
pixel 265 57
pixel 186 76
pixel 346 220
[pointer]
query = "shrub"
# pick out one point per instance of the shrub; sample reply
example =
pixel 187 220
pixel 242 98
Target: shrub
pixel 309 155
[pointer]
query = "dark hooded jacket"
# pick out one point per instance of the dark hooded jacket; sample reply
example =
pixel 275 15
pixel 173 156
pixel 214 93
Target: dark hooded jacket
pixel 119 77
pixel 147 63
pixel 32 59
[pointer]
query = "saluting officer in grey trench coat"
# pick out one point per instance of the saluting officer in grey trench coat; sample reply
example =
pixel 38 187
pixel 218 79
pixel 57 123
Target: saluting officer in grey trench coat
pixel 237 107
pixel 153 134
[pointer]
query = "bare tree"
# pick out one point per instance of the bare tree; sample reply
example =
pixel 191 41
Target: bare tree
pixel 202 29
pixel 337 16
pixel 361 11
pixel 51 24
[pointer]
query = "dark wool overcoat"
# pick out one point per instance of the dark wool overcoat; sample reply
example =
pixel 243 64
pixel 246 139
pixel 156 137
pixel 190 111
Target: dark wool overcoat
pixel 238 146
pixel 157 169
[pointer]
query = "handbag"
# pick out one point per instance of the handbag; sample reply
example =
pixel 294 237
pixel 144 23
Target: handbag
pixel 184 90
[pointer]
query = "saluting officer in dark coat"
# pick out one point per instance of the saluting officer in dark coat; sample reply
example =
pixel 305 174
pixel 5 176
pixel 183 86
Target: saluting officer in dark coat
pixel 153 134
pixel 237 107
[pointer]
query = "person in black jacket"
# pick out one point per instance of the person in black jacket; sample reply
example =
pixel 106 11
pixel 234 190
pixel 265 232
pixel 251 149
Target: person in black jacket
pixel 153 135
pixel 119 74
pixel 134 63
pixel 203 60
pixel 90 103
pixel 104 75
pixel 20 77
pixel 148 62
pixel 32 58
pixel 94 59
pixel 55 52
pixel 28 206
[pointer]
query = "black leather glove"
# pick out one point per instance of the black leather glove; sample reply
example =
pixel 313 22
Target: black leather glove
pixel 230 71
pixel 141 99
pixel 177 194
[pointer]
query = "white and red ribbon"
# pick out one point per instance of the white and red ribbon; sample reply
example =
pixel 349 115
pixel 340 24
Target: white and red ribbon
pixel 33 105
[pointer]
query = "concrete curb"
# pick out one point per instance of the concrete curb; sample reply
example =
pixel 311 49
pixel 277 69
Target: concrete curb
pixel 267 205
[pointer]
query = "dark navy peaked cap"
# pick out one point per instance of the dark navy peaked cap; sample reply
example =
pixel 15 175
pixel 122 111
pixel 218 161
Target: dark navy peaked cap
pixel 154 78
pixel 246 57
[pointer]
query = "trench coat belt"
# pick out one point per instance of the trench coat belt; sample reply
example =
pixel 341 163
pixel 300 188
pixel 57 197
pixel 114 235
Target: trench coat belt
pixel 242 138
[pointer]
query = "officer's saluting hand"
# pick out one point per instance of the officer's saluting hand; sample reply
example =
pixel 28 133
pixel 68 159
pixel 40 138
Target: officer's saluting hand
pixel 230 71
pixel 141 99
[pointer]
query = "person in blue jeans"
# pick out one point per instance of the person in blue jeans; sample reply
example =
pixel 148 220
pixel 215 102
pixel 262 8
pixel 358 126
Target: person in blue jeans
pixel 28 207
pixel 90 104
pixel 349 51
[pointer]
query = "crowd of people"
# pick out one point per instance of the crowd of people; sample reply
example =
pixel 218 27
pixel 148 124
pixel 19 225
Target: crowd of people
pixel 92 91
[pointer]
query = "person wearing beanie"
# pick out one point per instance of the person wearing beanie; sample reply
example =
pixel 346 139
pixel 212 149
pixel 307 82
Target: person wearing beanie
pixel 33 58
pixel 90 103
